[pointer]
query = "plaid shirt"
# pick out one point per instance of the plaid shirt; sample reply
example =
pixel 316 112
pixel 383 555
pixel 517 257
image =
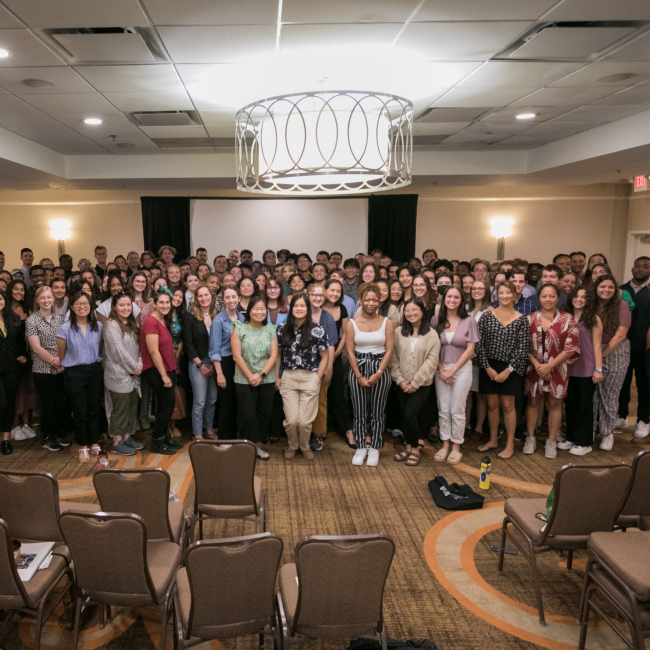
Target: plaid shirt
pixel 524 306
pixel 350 288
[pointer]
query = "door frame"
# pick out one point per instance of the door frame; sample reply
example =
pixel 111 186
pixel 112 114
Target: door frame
pixel 630 253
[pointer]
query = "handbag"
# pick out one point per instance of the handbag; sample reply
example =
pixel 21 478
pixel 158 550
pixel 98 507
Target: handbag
pixel 179 404
pixel 453 496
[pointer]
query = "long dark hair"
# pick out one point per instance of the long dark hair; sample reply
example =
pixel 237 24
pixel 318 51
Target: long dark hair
pixel 112 276
pixel 588 318
pixel 282 303
pixel 178 312
pixel 23 302
pixel 425 325
pixel 609 314
pixel 442 315
pixel 289 334
pixel 131 325
pixel 254 299
pixel 371 265
pixel 92 318
pixel 588 270
pixel 9 316
pixel 146 294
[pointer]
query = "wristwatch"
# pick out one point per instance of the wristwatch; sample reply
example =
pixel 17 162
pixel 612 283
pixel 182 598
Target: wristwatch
pixel 263 375
pixel 598 370
pixel 199 364
pixel 510 369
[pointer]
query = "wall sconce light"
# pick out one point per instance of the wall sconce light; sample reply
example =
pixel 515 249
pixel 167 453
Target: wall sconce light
pixel 60 230
pixel 501 228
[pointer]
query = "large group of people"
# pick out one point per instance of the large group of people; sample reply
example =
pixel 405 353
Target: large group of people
pixel 426 348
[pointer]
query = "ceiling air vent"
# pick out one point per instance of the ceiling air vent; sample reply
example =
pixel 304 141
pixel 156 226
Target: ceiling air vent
pixel 165 118
pixel 571 41
pixel 91 45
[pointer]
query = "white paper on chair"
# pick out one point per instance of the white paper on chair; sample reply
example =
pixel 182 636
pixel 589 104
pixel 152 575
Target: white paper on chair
pixel 32 557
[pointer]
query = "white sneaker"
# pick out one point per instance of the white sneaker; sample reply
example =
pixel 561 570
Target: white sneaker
pixel 18 434
pixel 530 445
pixel 28 431
pixel 580 451
pixel 620 423
pixel 564 445
pixel 373 458
pixel 642 430
pixel 359 456
pixel 396 433
pixel 607 442
pixel 561 436
pixel 550 451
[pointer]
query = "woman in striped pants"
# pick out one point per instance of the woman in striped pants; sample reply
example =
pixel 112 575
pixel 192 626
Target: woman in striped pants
pixel 603 300
pixel 369 340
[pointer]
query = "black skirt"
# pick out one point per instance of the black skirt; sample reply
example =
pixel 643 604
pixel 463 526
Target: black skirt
pixel 511 386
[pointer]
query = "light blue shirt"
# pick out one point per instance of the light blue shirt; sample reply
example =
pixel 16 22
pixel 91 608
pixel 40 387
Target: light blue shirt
pixel 528 291
pixel 220 332
pixel 81 350
pixel 348 303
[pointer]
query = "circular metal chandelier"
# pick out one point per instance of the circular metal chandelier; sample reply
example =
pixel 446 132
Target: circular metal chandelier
pixel 330 142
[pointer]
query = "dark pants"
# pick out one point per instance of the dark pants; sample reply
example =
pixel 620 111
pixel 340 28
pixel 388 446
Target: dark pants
pixel 428 416
pixel 579 404
pixel 8 388
pixel 84 387
pixel 166 401
pixel 254 409
pixel 53 400
pixel 337 405
pixel 277 417
pixel 637 366
pixel 410 405
pixel 227 400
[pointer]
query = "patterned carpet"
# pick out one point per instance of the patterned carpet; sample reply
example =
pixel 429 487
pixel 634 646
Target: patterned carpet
pixel 444 584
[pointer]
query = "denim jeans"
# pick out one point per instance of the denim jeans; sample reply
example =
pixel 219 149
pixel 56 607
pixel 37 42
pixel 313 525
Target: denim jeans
pixel 205 399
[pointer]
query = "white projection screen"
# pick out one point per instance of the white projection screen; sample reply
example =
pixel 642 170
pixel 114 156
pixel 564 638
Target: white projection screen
pixel 301 225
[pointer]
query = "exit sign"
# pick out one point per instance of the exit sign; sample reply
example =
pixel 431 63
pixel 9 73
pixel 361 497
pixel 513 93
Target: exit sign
pixel 640 183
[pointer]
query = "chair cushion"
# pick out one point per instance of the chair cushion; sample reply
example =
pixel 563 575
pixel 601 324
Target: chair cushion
pixel 644 522
pixel 628 521
pixel 43 580
pixel 184 596
pixel 163 559
pixel 176 518
pixel 626 555
pixel 233 512
pixel 289 591
pixel 607 585
pixel 64 506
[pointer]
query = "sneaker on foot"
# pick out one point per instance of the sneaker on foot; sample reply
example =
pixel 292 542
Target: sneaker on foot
pixel 561 436
pixel 373 458
pixel 579 451
pixel 641 430
pixel 123 450
pixel 359 456
pixel 289 453
pixel 130 442
pixel 530 445
pixel 159 447
pixel 550 450
pixel 620 423
pixel 63 442
pixel 52 445
pixel 28 431
pixel 607 442
pixel 316 443
pixel 18 434
pixel 308 454
pixel 7 449
pixel 564 445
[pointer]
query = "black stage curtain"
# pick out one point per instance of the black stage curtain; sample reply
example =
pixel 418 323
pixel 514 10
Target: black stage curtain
pixel 391 225
pixel 166 221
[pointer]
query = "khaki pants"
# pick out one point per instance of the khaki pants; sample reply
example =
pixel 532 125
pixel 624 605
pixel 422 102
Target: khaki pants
pixel 320 423
pixel 299 390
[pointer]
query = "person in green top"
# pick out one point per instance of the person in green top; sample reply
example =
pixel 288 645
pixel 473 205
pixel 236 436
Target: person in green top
pixel 254 350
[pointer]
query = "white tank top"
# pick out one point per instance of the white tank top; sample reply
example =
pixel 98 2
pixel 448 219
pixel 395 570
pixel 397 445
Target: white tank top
pixel 370 342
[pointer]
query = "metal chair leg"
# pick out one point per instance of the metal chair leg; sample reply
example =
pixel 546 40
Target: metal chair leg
pixel 569 560
pixel 504 528
pixel 163 623
pixel 39 623
pixel 102 616
pixel 538 588
pixel 75 629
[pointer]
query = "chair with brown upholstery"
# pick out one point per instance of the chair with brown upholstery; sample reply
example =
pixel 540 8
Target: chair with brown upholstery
pixel 335 590
pixel 637 503
pixel 619 570
pixel 29 503
pixel 227 589
pixel 30 597
pixel 143 492
pixel 144 576
pixel 225 482
pixel 586 499
pixel 644 523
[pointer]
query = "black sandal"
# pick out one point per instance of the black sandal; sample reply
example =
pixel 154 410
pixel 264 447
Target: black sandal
pixel 403 455
pixel 413 457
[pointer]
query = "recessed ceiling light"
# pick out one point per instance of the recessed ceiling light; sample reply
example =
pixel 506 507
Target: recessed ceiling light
pixel 92 120
pixel 622 76
pixel 125 145
pixel 4 53
pixel 526 116
pixel 38 83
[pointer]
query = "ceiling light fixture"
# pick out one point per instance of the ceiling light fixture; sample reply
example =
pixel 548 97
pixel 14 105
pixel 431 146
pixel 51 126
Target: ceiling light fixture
pixel 526 116
pixel 4 53
pixel 331 142
pixel 92 121
pixel 621 76
pixel 38 83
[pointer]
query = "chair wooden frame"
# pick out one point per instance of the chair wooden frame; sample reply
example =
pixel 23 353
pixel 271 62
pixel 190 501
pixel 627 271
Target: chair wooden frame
pixel 289 632
pixel 633 495
pixel 39 612
pixel 181 642
pixel 182 541
pixel 260 508
pixel 81 600
pixel 592 585
pixel 531 549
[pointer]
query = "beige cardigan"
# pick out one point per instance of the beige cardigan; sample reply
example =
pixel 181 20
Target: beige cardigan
pixel 418 367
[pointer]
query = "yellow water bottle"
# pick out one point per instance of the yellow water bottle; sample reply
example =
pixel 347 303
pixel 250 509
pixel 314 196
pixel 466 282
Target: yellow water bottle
pixel 486 465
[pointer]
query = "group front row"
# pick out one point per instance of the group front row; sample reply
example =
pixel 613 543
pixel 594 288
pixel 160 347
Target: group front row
pixel 279 359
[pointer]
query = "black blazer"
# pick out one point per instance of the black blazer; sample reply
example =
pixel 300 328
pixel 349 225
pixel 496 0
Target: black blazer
pixel 12 346
pixel 196 338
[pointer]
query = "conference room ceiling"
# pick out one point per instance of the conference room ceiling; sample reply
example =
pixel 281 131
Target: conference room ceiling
pixel 167 77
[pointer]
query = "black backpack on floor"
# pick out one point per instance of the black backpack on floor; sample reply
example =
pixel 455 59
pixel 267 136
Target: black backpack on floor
pixel 453 496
